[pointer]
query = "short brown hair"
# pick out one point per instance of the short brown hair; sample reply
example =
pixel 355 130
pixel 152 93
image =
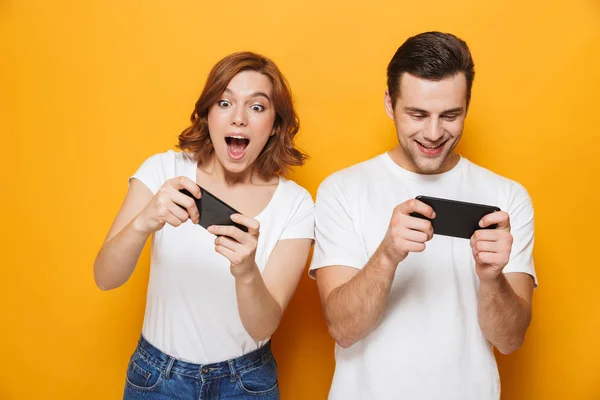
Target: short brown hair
pixel 432 56
pixel 280 152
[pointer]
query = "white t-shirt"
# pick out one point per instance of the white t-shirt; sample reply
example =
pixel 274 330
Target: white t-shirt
pixel 191 307
pixel 429 345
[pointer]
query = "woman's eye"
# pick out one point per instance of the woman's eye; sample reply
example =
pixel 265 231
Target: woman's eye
pixel 257 108
pixel 224 103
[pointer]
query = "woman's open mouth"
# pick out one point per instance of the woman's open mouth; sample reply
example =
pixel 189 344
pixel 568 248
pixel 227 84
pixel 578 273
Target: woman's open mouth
pixel 236 145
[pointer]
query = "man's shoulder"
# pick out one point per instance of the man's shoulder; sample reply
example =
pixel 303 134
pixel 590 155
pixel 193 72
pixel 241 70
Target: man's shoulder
pixel 485 177
pixel 355 175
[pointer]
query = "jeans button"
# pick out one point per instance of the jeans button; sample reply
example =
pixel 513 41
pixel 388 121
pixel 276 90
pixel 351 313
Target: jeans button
pixel 204 370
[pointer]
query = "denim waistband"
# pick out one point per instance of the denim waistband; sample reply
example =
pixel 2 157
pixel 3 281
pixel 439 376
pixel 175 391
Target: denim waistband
pixel 205 371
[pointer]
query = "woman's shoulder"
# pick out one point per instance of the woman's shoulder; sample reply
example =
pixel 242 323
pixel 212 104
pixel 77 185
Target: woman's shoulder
pixel 170 157
pixel 168 162
pixel 160 167
pixel 293 191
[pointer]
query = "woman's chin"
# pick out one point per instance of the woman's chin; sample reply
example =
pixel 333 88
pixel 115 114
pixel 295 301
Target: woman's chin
pixel 234 166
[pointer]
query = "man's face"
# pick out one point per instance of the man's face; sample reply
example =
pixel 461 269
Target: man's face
pixel 429 118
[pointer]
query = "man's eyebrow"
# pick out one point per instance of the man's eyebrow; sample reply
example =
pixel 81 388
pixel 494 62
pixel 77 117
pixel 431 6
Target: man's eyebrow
pixel 415 110
pixel 454 110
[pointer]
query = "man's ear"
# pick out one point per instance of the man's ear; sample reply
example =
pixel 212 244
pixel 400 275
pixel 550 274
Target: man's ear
pixel 387 102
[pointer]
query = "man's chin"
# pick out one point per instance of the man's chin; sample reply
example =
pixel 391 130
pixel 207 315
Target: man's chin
pixel 429 166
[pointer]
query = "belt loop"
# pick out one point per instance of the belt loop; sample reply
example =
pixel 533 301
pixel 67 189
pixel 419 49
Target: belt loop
pixel 169 366
pixel 232 369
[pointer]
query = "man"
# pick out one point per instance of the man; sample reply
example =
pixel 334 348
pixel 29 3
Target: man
pixel 416 315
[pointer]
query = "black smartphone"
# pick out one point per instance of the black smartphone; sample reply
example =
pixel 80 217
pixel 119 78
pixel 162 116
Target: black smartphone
pixel 213 211
pixel 456 218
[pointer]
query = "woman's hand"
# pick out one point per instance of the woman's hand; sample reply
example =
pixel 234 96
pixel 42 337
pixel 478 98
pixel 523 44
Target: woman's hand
pixel 169 206
pixel 237 246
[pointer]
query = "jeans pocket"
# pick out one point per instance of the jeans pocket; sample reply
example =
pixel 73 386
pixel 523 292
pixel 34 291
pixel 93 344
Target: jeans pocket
pixel 259 380
pixel 142 374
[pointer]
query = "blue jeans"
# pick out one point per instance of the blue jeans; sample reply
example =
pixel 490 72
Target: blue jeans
pixel 153 375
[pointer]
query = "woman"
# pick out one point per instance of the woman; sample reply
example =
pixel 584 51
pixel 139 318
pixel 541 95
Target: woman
pixel 216 295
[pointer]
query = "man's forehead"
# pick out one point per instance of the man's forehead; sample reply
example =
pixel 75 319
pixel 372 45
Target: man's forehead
pixel 448 92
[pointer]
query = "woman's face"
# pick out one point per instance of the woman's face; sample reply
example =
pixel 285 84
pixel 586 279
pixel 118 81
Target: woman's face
pixel 241 121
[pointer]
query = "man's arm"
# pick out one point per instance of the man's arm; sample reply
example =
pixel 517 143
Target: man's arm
pixel 504 310
pixel 354 300
pixel 504 299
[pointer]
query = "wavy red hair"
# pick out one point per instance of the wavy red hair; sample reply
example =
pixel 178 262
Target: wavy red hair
pixel 280 152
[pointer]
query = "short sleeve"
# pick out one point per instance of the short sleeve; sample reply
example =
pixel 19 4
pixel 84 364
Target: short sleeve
pixel 336 239
pixel 152 171
pixel 301 224
pixel 521 221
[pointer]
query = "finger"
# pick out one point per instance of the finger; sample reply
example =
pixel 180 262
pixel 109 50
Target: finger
pixel 178 212
pixel 250 223
pixel 173 220
pixel 228 243
pixel 485 257
pixel 229 254
pixel 419 224
pixel 499 217
pixel 186 202
pixel 484 235
pixel 183 182
pixel 488 235
pixel 414 205
pixel 231 231
pixel 488 247
pixel 414 236
pixel 415 247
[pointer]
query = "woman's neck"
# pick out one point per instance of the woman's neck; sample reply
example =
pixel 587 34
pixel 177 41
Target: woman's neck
pixel 217 172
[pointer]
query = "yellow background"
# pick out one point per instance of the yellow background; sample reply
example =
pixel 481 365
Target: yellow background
pixel 90 89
